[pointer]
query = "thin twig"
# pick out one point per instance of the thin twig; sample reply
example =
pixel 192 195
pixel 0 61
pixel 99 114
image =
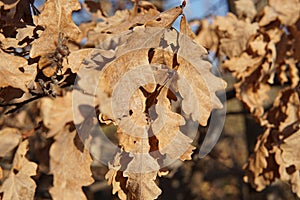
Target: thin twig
pixel 20 104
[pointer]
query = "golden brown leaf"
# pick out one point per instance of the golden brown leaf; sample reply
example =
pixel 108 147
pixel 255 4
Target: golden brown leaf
pixel 276 152
pixel 19 185
pixel 126 20
pixel 15 71
pixel 122 21
pixel 115 177
pixel 172 141
pixel 7 43
pixel 245 9
pixel 197 87
pixel 258 45
pixel 207 35
pixel 138 179
pixel 286 11
pixel 185 28
pixel 236 34
pixel 166 18
pixel 76 58
pixel 56 113
pixel 28 31
pixel 9 139
pixel 70 165
pixel 257 163
pixel 131 82
pixel 243 63
pixel 56 17
pixel 253 93
pixel 142 186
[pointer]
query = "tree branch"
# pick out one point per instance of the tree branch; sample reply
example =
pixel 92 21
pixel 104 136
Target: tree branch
pixel 20 104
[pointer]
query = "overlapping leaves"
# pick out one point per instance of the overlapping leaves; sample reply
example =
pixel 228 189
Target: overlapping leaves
pixel 137 78
pixel 140 60
pixel 261 51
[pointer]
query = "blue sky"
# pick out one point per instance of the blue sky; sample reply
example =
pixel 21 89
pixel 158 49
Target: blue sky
pixel 199 8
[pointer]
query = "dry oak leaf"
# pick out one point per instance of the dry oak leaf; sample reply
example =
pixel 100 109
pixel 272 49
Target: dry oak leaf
pixel 19 41
pixel 15 71
pixel 207 35
pixel 275 154
pixel 88 71
pixel 132 130
pixel 245 9
pixel 255 76
pixel 7 43
pixel 126 20
pixel 286 11
pixel 9 139
pixel 260 169
pixel 142 186
pixel 123 70
pixel 196 84
pixel 70 165
pixel 185 28
pixel 131 178
pixel 136 56
pixel 290 150
pixel 172 141
pixel 239 66
pixel 141 173
pixel 75 58
pixel 285 110
pixel 293 71
pixel 258 45
pixel 287 154
pixel 23 33
pixel 253 92
pixel 121 21
pixel 289 105
pixel 246 64
pixel 19 185
pixel 129 71
pixel 234 34
pixel 56 17
pixel 165 128
pixel 166 18
pixel 115 177
pixel 56 113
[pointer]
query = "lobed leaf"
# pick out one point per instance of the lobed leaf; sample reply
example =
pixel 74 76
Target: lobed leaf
pixel 19 184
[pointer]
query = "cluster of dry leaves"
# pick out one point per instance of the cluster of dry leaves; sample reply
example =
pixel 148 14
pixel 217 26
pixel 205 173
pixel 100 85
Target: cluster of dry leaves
pixel 261 50
pixel 138 64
